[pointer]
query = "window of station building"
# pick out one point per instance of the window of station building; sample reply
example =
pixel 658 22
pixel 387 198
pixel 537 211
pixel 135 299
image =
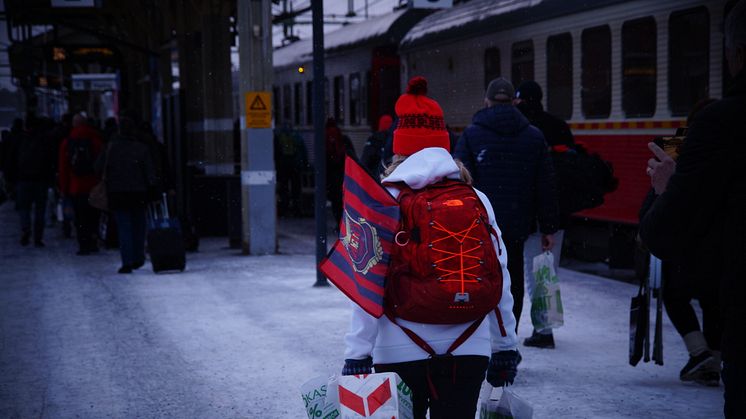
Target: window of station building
pixel 688 59
pixel 491 65
pixel 596 72
pixel 309 103
pixel 355 99
pixel 639 67
pixel 522 67
pixel 286 103
pixel 276 101
pixel 297 101
pixel 339 99
pixel 559 75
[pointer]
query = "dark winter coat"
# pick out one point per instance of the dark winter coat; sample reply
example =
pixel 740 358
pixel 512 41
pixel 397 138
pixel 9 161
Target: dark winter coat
pixel 701 213
pixel 555 130
pixel 373 153
pixel 33 157
pixel 509 161
pixel 129 172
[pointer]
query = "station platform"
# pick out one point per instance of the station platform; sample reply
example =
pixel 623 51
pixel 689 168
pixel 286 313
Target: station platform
pixel 235 337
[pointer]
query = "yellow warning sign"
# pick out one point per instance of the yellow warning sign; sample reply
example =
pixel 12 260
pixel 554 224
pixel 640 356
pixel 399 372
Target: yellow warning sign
pixel 258 110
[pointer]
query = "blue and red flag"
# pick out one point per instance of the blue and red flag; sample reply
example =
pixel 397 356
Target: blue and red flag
pixel 358 262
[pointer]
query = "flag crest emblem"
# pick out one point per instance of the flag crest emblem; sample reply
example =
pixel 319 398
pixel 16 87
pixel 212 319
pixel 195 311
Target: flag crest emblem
pixel 362 243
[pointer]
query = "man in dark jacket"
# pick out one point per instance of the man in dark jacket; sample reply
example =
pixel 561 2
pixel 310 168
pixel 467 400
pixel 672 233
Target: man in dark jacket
pixel 700 210
pixel 32 171
pixel 556 132
pixel 509 161
pixel 77 176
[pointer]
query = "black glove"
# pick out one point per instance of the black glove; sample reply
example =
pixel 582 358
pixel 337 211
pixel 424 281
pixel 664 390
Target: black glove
pixel 503 368
pixel 358 366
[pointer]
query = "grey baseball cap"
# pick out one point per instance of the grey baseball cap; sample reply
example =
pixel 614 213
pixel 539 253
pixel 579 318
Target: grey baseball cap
pixel 500 90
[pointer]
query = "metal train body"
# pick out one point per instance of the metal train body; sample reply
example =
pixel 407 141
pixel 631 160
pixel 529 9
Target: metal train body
pixel 651 61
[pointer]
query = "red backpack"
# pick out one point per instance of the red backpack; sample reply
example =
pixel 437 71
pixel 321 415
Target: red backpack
pixel 444 269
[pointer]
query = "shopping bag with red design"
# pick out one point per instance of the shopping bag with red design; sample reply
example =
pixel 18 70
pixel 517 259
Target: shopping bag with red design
pixel 376 396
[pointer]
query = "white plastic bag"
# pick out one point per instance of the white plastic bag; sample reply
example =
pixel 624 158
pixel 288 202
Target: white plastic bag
pixel 314 392
pixel 546 303
pixel 507 406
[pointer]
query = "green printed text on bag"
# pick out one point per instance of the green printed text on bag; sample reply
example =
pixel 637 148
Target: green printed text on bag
pixel 546 303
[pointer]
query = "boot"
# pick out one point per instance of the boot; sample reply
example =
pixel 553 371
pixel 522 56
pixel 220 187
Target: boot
pixel 540 340
pixel 710 373
pixel 699 356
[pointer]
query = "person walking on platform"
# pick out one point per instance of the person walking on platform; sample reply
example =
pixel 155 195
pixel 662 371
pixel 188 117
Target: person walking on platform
pixel 372 158
pixel 32 171
pixel 556 132
pixel 128 170
pixel 510 163
pixel 78 154
pixel 699 211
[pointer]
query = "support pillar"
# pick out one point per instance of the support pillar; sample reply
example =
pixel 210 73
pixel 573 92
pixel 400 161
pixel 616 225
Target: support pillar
pixel 257 157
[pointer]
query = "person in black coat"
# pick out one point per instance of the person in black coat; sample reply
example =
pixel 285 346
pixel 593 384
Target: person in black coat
pixel 509 161
pixel 130 180
pixel 699 212
pixel 556 132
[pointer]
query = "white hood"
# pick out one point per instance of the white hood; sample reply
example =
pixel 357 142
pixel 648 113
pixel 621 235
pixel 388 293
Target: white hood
pixel 424 167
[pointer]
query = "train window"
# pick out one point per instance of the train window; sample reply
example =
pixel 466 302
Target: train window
pixel 309 103
pixel 339 99
pixel 286 103
pixel 491 65
pixel 522 62
pixel 596 72
pixel 688 58
pixel 639 67
pixel 297 100
pixel 276 101
pixel 559 75
pixel 355 99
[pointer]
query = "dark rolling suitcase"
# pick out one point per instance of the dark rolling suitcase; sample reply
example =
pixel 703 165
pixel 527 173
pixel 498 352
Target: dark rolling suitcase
pixel 165 242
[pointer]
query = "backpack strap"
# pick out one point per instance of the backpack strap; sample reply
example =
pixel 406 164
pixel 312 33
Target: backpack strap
pixel 466 334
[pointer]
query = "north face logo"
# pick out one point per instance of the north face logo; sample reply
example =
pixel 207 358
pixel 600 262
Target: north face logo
pixel 366 406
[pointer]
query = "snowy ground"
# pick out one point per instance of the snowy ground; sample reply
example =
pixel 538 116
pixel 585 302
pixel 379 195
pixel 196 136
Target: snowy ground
pixel 234 337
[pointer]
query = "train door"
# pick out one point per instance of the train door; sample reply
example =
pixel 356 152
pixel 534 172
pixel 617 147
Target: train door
pixel 385 85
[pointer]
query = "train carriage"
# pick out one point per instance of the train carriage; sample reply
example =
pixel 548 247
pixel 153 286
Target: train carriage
pixel 620 72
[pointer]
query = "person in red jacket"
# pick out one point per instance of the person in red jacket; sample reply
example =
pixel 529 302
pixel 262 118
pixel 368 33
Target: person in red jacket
pixel 77 176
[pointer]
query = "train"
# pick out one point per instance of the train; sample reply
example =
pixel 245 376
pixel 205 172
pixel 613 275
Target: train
pixel 620 72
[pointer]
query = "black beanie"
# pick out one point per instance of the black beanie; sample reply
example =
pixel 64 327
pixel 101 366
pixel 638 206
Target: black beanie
pixel 529 91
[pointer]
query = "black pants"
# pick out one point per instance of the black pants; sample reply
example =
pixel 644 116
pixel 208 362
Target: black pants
pixel 86 222
pixel 456 380
pixel 734 380
pixel 515 268
pixel 32 194
pixel 677 297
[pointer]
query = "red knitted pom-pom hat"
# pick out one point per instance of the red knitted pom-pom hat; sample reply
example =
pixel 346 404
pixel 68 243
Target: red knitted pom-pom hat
pixel 421 123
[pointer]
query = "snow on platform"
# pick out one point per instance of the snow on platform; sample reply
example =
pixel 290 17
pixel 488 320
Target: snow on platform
pixel 235 336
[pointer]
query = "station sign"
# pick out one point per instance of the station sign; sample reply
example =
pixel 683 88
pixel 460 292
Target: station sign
pixel 258 109
pixel 95 81
pixel 432 4
pixel 73 3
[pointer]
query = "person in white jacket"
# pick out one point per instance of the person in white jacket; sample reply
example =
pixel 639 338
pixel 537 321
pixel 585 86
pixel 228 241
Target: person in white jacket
pixel 447 384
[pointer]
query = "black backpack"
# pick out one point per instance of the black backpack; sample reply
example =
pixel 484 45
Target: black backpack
pixel 80 155
pixel 582 179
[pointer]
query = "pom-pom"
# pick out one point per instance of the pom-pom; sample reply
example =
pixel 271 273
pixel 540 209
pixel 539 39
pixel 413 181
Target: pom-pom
pixel 417 86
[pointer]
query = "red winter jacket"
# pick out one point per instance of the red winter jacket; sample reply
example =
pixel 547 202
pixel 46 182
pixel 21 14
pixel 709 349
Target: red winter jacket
pixel 71 184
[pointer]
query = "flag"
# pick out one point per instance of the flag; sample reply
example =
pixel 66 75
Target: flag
pixel 358 261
